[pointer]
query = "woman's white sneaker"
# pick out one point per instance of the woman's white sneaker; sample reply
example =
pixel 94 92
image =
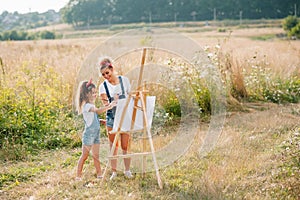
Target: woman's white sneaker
pixel 128 174
pixel 113 176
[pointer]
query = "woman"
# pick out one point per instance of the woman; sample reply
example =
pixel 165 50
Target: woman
pixel 114 87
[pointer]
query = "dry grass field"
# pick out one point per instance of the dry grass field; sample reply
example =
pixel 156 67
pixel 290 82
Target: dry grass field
pixel 250 160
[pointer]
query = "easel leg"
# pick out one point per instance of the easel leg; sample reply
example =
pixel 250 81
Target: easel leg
pixel 151 144
pixel 111 154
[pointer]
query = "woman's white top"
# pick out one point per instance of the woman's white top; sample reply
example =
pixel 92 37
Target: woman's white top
pixel 115 89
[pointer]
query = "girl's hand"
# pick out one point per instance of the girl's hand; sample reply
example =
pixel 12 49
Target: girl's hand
pixel 102 121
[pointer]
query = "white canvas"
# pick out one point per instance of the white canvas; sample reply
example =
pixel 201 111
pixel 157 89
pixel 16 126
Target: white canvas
pixel 138 125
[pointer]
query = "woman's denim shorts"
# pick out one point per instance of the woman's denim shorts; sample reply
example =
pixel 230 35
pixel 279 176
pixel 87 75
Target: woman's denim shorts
pixel 110 117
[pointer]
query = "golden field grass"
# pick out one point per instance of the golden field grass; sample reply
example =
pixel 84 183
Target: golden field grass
pixel 246 163
pixel 243 165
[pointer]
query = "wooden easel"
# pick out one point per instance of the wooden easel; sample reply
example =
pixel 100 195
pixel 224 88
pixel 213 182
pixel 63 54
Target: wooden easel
pixel 140 94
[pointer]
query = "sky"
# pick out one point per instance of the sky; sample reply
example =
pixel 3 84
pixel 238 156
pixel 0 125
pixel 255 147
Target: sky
pixel 26 6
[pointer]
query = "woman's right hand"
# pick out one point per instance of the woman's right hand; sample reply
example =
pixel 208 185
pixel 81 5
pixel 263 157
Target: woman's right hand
pixel 112 104
pixel 116 97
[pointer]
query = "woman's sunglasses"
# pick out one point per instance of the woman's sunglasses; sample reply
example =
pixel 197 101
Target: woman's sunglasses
pixel 106 73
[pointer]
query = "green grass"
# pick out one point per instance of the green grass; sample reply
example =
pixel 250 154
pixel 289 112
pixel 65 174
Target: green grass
pixel 260 163
pixel 264 37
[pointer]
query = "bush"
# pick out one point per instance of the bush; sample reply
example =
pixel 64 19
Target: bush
pixel 290 22
pixel 173 107
pixel 47 35
pixel 34 113
pixel 283 91
pixel 261 85
pixel 295 31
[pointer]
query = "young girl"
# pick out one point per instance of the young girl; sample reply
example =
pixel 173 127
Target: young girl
pixel 113 88
pixel 85 105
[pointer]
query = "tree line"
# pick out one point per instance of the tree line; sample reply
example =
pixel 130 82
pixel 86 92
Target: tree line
pixel 24 35
pixel 101 12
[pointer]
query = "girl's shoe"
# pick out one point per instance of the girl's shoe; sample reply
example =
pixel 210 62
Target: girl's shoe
pixel 78 178
pixel 99 177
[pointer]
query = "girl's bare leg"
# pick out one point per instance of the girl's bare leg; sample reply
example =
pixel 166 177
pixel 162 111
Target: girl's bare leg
pixel 95 152
pixel 82 159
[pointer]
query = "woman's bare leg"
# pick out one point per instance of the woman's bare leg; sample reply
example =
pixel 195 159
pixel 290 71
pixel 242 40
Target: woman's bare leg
pixel 124 144
pixel 111 138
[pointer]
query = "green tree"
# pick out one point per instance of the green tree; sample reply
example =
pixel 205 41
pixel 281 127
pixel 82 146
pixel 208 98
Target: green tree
pixel 87 12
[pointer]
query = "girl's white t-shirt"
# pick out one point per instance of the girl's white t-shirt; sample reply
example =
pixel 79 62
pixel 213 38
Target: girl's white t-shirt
pixel 88 116
pixel 115 89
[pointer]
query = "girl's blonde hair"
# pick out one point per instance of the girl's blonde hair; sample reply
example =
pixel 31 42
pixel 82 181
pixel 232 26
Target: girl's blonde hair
pixel 82 94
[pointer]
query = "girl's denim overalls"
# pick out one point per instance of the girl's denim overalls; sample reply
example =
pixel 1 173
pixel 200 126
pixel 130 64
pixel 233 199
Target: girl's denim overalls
pixel 91 134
